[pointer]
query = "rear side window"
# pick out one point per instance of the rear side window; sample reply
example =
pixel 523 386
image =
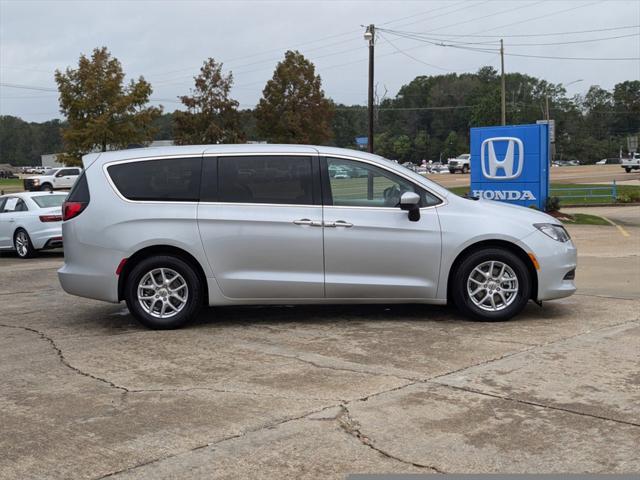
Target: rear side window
pixel 14 204
pixel 68 172
pixel 265 179
pixel 48 201
pixel 172 179
pixel 80 190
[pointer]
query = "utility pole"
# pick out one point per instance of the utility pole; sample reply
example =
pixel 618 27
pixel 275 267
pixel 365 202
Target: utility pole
pixel 546 110
pixel 370 36
pixel 504 93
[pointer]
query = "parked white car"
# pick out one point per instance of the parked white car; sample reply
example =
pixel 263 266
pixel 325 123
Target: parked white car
pixel 30 222
pixel 54 179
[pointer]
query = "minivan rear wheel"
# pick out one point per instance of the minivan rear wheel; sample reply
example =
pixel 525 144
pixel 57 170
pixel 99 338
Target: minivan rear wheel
pixel 163 292
pixel 491 285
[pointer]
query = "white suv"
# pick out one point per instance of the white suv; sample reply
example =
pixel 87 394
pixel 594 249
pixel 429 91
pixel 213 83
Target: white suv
pixel 171 229
pixel 462 163
pixel 53 179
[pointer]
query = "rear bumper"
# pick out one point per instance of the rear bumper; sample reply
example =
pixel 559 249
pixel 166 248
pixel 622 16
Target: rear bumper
pixel 84 283
pixel 45 237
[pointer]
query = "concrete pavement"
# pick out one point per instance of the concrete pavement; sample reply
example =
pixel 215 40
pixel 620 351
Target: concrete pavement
pixel 319 392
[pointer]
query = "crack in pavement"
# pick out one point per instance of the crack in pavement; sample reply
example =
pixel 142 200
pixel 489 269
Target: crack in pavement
pixel 535 404
pixel 30 291
pixel 352 428
pixel 239 392
pixel 62 358
pixel 218 442
pixel 347 423
pixel 127 390
pixel 339 369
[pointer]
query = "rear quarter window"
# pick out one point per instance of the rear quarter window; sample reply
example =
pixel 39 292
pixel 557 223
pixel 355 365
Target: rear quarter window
pixel 48 201
pixel 172 179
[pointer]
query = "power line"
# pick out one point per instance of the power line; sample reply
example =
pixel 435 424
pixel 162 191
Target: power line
pixel 411 56
pixel 425 13
pixel 27 87
pixel 339 35
pixel 447 42
pixel 601 39
pixel 493 51
pixel 533 34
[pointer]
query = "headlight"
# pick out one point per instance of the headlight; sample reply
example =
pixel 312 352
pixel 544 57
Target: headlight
pixel 557 232
pixel 35 181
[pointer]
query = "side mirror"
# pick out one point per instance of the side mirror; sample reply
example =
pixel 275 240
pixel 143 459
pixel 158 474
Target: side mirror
pixel 58 175
pixel 410 201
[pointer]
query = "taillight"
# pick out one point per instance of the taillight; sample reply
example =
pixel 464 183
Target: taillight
pixel 72 209
pixel 50 218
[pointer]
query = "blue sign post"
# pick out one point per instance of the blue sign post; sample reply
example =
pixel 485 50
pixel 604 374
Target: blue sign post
pixel 511 164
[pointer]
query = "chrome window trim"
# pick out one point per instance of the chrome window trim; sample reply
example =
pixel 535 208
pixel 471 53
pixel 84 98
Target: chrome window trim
pixel 298 205
pixel 443 201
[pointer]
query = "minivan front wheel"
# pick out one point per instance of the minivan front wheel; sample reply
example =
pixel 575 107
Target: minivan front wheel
pixel 491 285
pixel 163 292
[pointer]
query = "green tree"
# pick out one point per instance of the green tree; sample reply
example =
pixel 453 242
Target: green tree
pixel 211 116
pixel 102 111
pixel 626 98
pixel 293 108
pixel 402 147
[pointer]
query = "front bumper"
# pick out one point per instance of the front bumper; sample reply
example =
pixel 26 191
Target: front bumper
pixel 31 185
pixel 557 260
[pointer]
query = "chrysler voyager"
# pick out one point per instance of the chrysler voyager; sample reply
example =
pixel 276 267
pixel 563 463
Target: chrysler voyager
pixel 171 229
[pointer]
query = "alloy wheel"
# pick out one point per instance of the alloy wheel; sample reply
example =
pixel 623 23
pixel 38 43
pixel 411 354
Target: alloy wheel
pixel 492 286
pixel 22 244
pixel 162 292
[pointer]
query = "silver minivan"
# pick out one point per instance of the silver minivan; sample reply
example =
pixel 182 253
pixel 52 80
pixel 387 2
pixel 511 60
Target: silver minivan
pixel 171 229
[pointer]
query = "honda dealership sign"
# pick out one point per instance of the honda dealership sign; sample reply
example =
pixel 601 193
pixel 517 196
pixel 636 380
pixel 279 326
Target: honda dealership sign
pixel 511 164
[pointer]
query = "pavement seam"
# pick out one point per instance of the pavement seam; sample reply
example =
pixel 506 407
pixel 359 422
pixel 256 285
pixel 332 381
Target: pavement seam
pixel 339 369
pixel 218 442
pixel 352 428
pixel 238 392
pixel 535 404
pixel 62 358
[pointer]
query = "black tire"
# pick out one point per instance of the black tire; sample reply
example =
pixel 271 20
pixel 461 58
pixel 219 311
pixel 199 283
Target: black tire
pixel 627 169
pixel 462 298
pixel 22 244
pixel 46 187
pixel 190 308
pixel 465 169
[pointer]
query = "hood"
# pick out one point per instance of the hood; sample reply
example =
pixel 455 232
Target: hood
pixel 505 212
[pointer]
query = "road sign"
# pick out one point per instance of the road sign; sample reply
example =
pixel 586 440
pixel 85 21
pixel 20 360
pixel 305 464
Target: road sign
pixel 552 129
pixel 511 164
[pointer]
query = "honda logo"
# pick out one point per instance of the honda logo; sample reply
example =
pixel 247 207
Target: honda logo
pixel 510 166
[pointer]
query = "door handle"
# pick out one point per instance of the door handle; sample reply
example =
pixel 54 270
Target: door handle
pixel 339 223
pixel 306 221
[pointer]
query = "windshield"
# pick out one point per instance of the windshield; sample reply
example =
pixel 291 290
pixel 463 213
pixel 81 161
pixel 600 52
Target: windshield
pixel 47 201
pixel 50 171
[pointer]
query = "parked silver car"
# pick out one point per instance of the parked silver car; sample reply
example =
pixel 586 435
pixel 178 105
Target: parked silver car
pixel 171 229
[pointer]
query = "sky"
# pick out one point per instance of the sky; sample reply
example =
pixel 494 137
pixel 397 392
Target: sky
pixel 167 41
